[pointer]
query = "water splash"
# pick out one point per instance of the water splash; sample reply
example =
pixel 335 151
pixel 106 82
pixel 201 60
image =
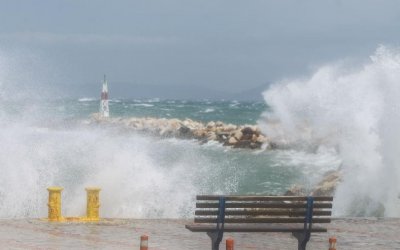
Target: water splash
pixel 140 177
pixel 40 149
pixel 44 143
pixel 354 110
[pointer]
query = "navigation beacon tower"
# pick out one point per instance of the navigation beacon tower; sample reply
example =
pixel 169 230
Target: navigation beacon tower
pixel 104 110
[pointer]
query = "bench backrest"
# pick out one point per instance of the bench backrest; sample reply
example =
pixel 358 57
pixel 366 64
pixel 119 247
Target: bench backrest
pixel 262 209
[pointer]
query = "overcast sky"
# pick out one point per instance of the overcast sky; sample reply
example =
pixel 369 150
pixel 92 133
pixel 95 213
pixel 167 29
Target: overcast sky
pixel 224 45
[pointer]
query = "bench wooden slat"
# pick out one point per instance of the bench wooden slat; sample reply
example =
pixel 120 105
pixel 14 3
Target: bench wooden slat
pixel 262 198
pixel 261 214
pixel 280 212
pixel 253 228
pixel 261 220
pixel 261 205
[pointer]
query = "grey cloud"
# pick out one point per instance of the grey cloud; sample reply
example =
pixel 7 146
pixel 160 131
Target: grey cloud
pixel 228 46
pixel 60 38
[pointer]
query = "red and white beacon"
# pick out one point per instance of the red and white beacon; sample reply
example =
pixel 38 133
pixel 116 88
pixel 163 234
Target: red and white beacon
pixel 104 110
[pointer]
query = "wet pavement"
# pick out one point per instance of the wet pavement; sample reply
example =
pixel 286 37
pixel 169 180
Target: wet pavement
pixel 351 233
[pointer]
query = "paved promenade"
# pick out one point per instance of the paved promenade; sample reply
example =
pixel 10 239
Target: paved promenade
pixel 359 233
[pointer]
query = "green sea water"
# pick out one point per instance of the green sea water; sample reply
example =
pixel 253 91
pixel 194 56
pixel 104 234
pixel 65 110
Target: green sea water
pixel 226 111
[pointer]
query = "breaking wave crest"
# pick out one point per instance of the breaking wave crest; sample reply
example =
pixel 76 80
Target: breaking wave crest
pixel 355 111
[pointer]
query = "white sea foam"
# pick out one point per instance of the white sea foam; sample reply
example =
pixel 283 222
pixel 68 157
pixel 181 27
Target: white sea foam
pixel 143 105
pixel 115 100
pixel 354 111
pixel 87 99
pixel 208 110
pixel 234 104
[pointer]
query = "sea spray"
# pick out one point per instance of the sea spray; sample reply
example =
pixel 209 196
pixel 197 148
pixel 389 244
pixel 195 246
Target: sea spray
pixel 355 111
pixel 46 142
pixel 140 177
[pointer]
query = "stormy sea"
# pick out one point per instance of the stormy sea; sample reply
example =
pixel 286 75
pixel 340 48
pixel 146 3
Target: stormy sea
pixel 339 118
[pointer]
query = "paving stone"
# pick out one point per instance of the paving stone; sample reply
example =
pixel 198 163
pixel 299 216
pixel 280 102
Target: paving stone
pixel 351 233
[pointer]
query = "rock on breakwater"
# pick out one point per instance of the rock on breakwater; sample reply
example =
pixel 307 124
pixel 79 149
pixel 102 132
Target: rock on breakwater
pixel 326 187
pixel 236 136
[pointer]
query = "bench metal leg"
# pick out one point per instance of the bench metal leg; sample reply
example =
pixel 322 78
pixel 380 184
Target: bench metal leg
pixel 302 239
pixel 216 238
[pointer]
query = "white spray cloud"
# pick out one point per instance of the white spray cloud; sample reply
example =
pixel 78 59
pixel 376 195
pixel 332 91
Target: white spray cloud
pixel 355 111
pixel 140 177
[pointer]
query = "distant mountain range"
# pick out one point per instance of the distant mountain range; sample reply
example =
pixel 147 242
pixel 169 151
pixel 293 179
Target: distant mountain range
pixel 138 91
pixel 252 94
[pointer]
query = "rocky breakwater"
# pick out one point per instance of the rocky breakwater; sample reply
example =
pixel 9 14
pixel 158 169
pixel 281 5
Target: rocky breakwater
pixel 236 136
pixel 326 187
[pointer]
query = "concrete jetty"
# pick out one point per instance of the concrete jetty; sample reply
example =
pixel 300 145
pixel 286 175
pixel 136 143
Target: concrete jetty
pixel 351 233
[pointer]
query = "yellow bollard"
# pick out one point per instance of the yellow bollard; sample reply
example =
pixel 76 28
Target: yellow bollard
pixel 55 203
pixel 93 204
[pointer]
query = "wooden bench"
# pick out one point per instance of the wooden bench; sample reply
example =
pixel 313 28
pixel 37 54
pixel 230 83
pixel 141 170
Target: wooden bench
pixel 294 214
